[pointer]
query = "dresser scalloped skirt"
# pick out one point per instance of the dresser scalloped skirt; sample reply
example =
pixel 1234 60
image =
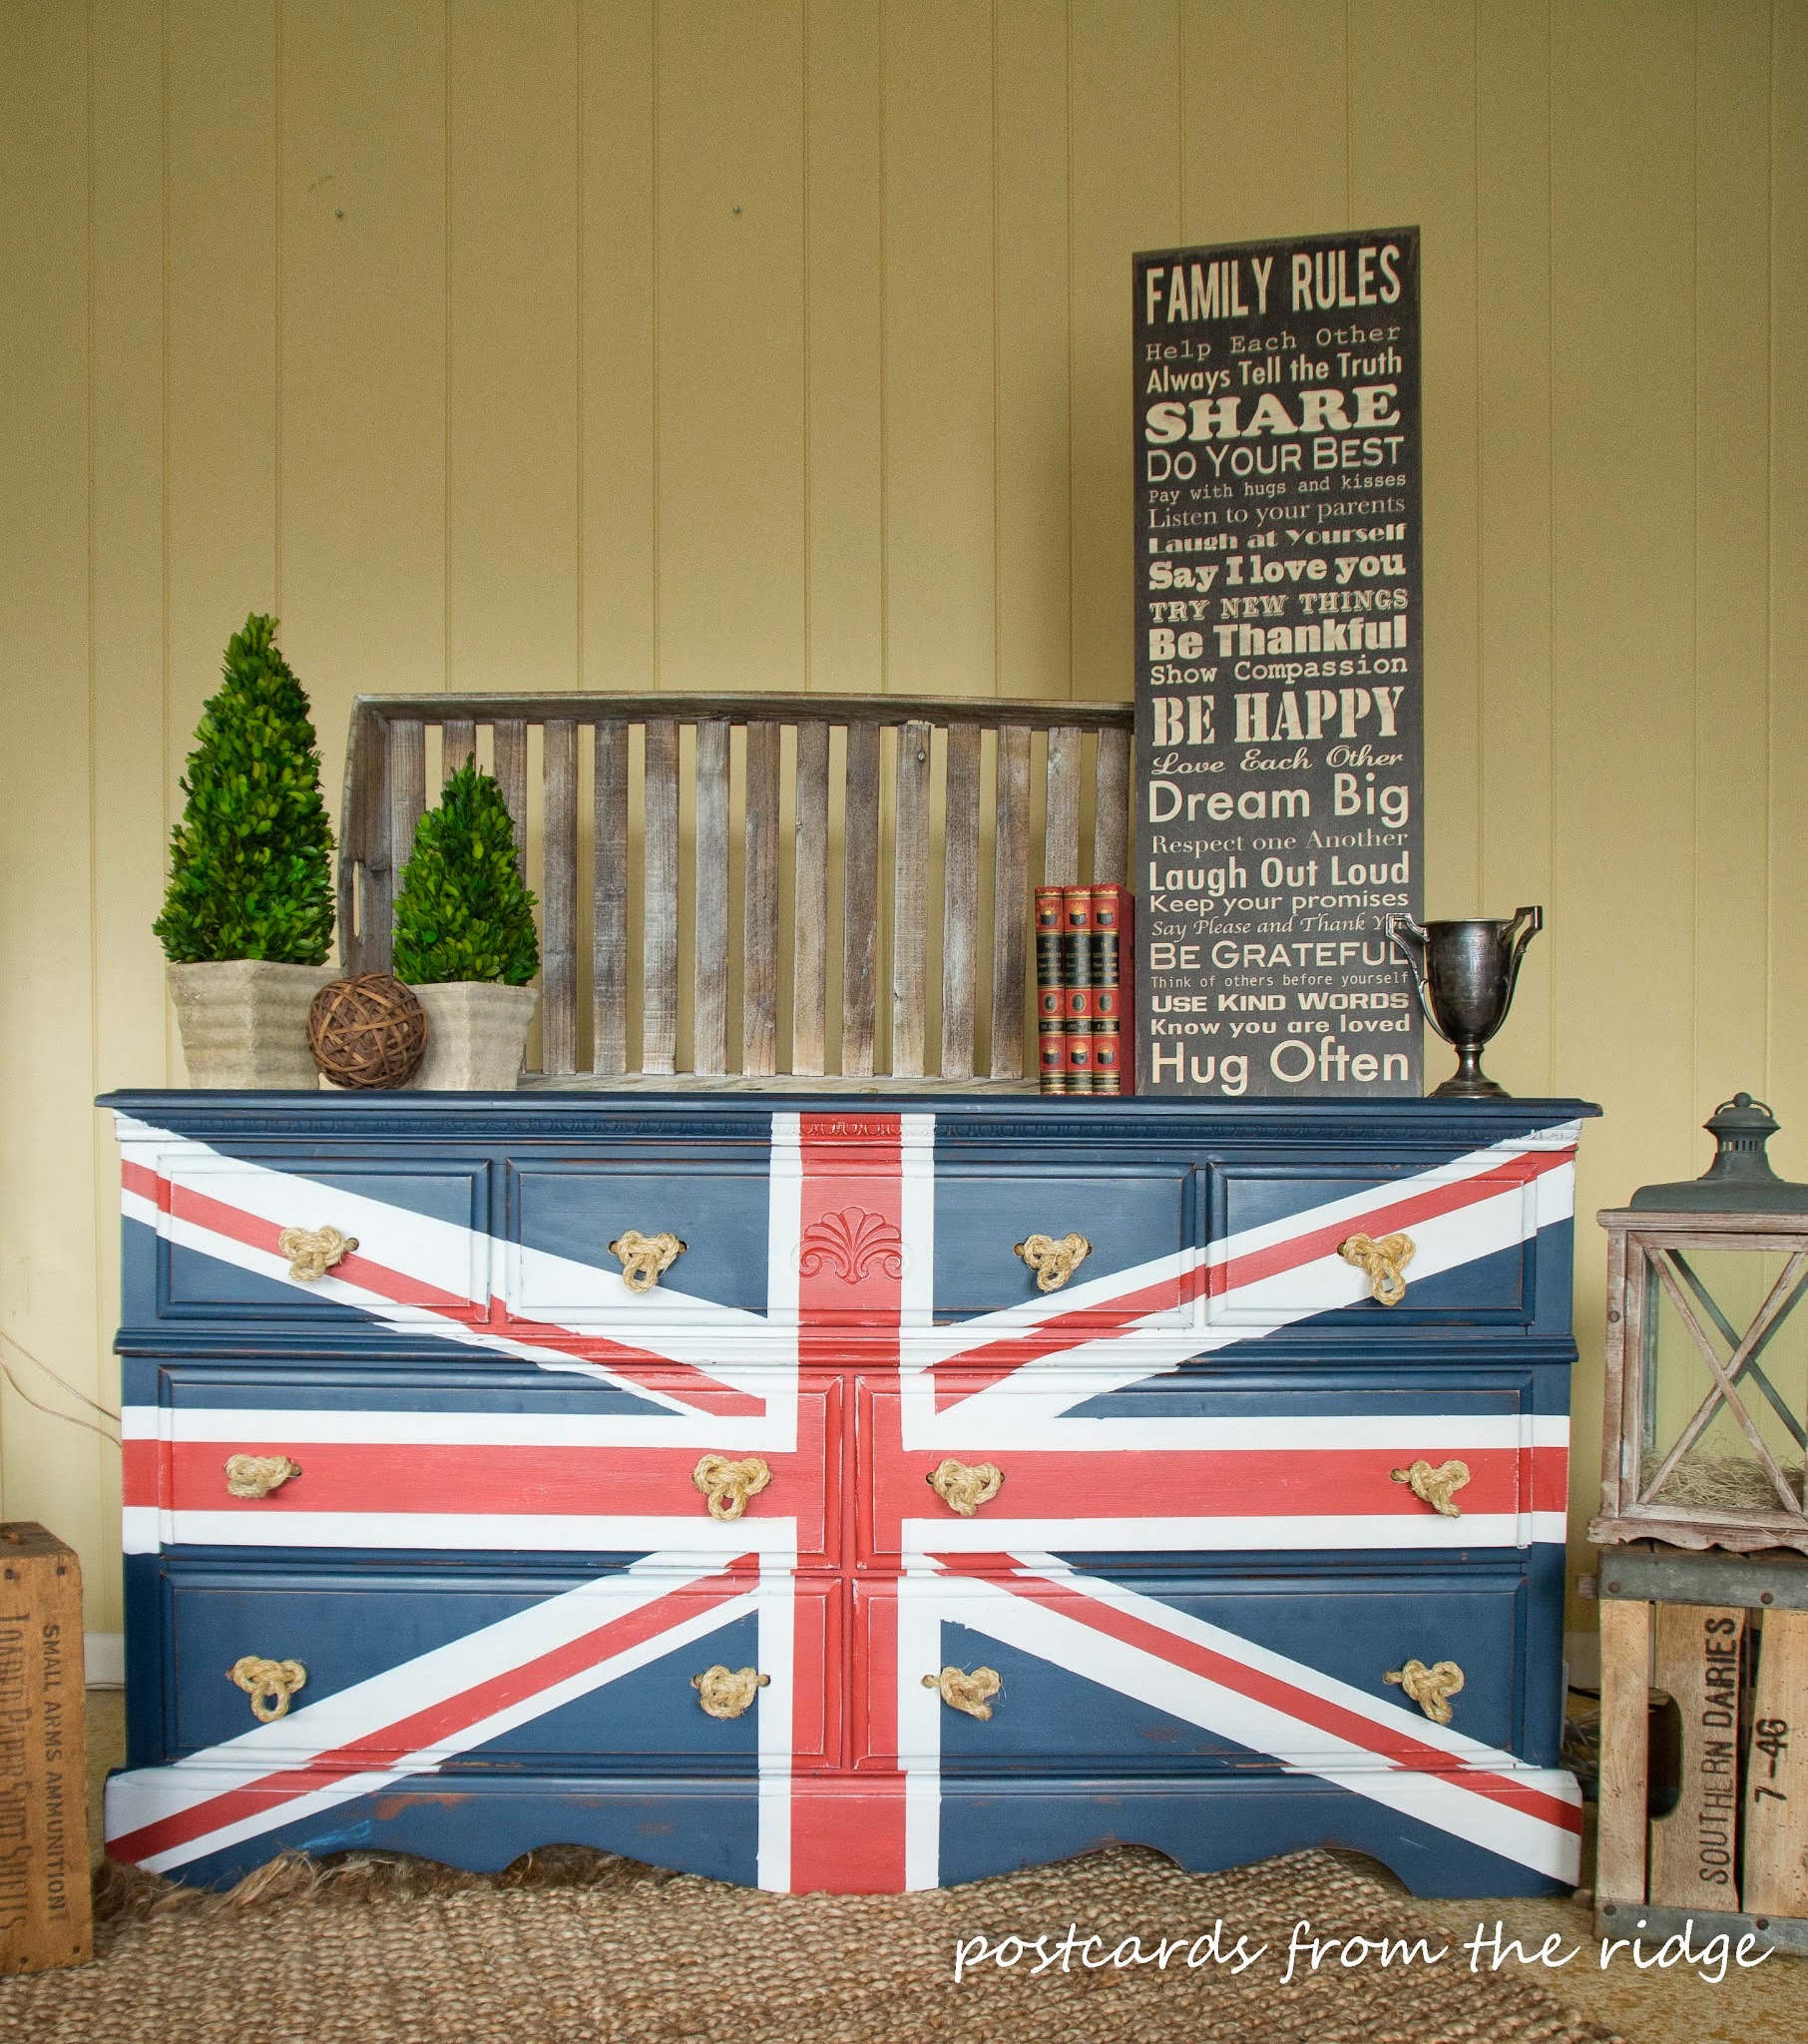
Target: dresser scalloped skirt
pixel 834 1496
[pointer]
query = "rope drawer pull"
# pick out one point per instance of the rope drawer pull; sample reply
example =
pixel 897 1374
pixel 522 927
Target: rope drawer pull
pixel 312 1252
pixel 268 1684
pixel 1053 1261
pixel 258 1476
pixel 1430 1688
pixel 643 1256
pixel 963 1486
pixel 1385 1262
pixel 1436 1487
pixel 728 1691
pixel 969 1693
pixel 728 1485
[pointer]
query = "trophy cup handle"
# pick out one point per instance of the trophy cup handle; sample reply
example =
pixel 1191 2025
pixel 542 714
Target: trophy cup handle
pixel 1525 924
pixel 1411 938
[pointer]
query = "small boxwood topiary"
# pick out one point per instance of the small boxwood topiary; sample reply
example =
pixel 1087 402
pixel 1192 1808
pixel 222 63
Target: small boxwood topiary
pixel 251 863
pixel 463 911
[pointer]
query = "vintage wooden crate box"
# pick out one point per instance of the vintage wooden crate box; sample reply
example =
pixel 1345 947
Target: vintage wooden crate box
pixel 44 1896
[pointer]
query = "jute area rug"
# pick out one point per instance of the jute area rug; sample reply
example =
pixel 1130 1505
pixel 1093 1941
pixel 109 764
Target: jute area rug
pixel 579 1949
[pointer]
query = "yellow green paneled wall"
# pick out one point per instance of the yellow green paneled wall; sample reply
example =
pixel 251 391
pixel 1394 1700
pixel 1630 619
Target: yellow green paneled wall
pixel 679 343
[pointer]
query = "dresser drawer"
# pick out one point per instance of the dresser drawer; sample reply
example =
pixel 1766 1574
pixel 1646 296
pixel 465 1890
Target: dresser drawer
pixel 1139 1225
pixel 420 1235
pixel 1242 1462
pixel 564 1215
pixel 479 1668
pixel 1288 1244
pixel 425 1460
pixel 1147 1675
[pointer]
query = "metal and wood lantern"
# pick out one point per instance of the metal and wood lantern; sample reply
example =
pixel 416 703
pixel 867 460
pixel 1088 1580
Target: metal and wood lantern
pixel 1707 1352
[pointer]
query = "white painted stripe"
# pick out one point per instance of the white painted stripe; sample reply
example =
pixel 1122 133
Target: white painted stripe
pixel 691 1538
pixel 1079 1531
pixel 916 1195
pixel 1406 1433
pixel 920 1735
pixel 774 1731
pixel 379 1426
pixel 140 1529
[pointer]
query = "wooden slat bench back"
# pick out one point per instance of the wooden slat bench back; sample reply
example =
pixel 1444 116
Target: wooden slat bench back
pixel 782 890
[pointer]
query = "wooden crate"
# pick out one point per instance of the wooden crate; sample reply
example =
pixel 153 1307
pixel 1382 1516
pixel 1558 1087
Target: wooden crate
pixel 1725 1637
pixel 44 1894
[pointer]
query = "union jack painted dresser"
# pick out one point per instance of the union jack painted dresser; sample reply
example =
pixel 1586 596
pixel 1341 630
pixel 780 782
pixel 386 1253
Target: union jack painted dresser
pixel 840 1493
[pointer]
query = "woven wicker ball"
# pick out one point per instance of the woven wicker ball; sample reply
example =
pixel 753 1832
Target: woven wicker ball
pixel 367 1032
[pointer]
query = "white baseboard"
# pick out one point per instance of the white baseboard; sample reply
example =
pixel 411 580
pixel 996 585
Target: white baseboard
pixel 103 1654
pixel 1582 1652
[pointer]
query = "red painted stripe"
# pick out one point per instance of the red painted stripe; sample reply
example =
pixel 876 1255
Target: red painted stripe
pixel 636 1366
pixel 997 1359
pixel 1397 1747
pixel 1183 1482
pixel 1551 1479
pixel 441 1721
pixel 497 1480
pixel 140 1463
pixel 851 1214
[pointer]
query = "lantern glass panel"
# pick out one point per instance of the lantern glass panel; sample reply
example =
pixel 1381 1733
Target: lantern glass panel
pixel 1701 1449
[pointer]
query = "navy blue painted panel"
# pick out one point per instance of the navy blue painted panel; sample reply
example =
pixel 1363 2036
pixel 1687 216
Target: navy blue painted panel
pixel 577 1208
pixel 500 1386
pixel 998 1828
pixel 1129 1215
pixel 345 1629
pixel 486 1822
pixel 1235 1392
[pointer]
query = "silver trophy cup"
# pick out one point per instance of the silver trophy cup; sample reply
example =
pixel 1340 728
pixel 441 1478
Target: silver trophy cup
pixel 1466 973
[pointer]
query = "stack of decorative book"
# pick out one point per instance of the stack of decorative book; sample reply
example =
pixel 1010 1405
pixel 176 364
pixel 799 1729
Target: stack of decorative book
pixel 1083 953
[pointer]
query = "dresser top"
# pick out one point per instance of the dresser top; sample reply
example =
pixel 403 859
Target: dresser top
pixel 746 1117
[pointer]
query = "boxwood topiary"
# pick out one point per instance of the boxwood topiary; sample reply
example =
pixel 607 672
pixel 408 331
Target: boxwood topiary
pixel 251 863
pixel 463 911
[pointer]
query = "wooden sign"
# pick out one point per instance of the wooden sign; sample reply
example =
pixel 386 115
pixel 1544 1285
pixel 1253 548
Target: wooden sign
pixel 44 1895
pixel 1280 697
pixel 1695 1850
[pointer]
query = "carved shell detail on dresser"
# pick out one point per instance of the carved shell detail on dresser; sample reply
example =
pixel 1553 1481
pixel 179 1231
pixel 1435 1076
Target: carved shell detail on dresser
pixel 849 1245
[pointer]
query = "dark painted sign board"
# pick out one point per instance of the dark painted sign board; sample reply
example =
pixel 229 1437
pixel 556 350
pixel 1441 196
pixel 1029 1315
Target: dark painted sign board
pixel 1279 666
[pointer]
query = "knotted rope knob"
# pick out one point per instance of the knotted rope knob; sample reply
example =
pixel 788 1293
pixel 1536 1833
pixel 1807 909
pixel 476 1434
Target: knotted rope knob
pixel 1053 1261
pixel 1436 1487
pixel 643 1256
pixel 964 1486
pixel 1430 1688
pixel 312 1252
pixel 268 1684
pixel 726 1691
pixel 728 1485
pixel 258 1476
pixel 969 1693
pixel 1384 1260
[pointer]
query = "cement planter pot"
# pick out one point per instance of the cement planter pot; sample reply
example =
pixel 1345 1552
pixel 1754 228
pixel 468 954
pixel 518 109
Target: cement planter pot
pixel 476 1033
pixel 244 1022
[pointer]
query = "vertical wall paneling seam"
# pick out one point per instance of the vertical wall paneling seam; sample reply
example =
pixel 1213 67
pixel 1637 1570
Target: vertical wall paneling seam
pixel 804 267
pixel 1770 528
pixel 101 1239
pixel 1694 596
pixel 276 306
pixel 1481 755
pixel 1349 156
pixel 997 467
pixel 1068 464
pixel 1552 1008
pixel 657 679
pixel 884 358
pixel 579 578
pixel 445 285
pixel 163 538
